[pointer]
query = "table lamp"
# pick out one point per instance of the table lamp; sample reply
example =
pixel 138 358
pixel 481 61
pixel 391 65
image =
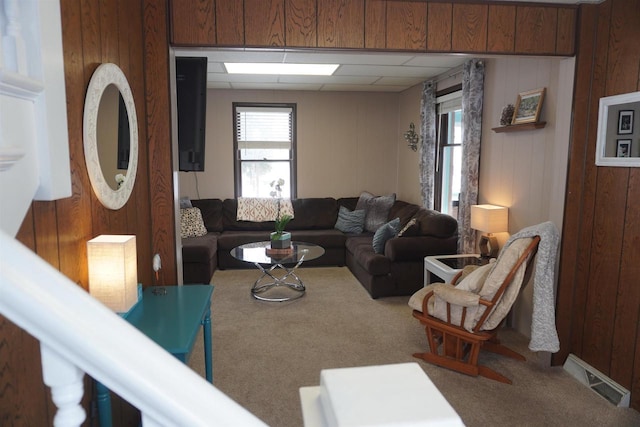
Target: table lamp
pixel 489 219
pixel 113 271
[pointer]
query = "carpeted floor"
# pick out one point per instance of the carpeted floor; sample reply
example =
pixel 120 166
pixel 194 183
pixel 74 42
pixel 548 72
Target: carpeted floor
pixel 263 352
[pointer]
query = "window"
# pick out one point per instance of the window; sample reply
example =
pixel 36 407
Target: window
pixel 449 153
pixel 265 148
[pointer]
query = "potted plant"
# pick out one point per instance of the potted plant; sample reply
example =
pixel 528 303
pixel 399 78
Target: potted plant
pixel 280 239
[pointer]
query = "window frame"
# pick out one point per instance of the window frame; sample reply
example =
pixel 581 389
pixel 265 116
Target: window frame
pixel 237 161
pixel 442 138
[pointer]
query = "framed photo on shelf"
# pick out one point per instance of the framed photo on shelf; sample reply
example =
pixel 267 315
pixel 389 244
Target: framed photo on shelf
pixel 625 122
pixel 623 148
pixel 528 106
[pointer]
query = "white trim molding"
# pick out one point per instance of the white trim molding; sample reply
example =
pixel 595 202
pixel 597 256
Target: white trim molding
pixel 34 141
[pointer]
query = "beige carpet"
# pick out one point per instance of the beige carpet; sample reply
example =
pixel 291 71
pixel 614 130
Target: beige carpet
pixel 264 352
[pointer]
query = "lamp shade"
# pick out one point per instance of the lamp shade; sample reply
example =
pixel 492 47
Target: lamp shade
pixel 489 218
pixel 113 271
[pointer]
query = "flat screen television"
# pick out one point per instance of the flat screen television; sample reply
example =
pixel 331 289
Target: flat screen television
pixel 191 89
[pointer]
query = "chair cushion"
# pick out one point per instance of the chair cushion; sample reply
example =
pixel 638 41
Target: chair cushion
pixel 503 266
pixel 415 302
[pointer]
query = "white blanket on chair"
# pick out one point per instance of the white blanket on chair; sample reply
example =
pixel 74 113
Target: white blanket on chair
pixel 544 336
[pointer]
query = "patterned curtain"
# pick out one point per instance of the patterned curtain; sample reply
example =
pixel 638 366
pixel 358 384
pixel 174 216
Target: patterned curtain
pixel 428 146
pixel 472 94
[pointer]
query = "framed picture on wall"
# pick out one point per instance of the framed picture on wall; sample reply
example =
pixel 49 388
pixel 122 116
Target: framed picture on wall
pixel 528 106
pixel 625 122
pixel 623 148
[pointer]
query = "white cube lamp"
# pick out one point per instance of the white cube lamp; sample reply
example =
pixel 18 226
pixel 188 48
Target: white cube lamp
pixel 489 219
pixel 113 271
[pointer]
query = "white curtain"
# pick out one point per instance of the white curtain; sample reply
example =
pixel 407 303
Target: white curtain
pixel 472 96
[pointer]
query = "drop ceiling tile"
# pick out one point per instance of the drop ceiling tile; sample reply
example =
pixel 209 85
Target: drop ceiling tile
pixel 244 78
pixel 442 61
pixel 277 86
pixel 361 88
pixel 400 81
pixel 387 70
pixel 360 80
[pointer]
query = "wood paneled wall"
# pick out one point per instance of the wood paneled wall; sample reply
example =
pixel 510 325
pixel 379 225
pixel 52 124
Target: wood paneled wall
pixel 410 25
pixel 598 302
pixel 133 35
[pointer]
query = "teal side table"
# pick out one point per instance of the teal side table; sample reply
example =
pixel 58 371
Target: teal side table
pixel 171 316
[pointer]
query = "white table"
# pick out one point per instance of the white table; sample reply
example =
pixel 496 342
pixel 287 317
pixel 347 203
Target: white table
pixel 434 265
pixel 385 395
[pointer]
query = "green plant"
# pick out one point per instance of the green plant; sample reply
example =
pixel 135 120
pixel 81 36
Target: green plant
pixel 281 222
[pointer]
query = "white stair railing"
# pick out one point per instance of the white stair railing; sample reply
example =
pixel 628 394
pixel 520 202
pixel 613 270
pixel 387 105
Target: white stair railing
pixel 79 335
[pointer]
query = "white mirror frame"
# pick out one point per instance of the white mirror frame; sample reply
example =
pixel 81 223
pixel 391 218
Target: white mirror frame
pixel 105 75
pixel 603 118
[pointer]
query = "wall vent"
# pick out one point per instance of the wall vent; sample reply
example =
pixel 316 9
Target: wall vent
pixel 597 381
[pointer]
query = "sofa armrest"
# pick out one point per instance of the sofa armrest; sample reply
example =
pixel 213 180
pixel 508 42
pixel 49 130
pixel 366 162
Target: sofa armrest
pixel 407 249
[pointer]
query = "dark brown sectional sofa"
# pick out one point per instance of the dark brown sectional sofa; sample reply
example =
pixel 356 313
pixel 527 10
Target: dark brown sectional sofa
pixel 399 271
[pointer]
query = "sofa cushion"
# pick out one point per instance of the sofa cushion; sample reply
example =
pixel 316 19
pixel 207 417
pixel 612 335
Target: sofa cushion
pixel 331 238
pixel 191 223
pixel 350 221
pixel 377 209
pixel 314 213
pixel 348 202
pixel 384 233
pixel 199 249
pixel 434 223
pixel 211 210
pixel 361 247
pixel 403 210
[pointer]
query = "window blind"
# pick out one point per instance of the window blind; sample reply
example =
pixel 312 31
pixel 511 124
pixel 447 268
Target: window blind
pixel 449 103
pixel 264 127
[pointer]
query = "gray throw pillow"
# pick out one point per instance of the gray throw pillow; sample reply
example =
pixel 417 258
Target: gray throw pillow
pixel 376 208
pixel 384 233
pixel 350 221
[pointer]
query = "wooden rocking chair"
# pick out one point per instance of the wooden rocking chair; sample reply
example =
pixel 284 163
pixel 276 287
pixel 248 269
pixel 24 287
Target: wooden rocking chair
pixel 462 319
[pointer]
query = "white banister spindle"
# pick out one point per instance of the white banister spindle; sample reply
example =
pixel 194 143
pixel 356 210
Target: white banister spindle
pixel 65 381
pixel 15 52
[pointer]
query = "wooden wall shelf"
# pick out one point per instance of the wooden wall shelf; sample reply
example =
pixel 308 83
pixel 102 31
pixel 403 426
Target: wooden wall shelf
pixel 519 127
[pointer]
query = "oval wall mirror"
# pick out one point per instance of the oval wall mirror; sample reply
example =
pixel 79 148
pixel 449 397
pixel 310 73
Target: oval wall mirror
pixel 110 131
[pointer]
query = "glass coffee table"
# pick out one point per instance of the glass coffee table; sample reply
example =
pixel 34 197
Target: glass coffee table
pixel 278 281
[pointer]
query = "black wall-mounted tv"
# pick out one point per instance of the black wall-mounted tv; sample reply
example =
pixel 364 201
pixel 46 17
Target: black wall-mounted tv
pixel 191 88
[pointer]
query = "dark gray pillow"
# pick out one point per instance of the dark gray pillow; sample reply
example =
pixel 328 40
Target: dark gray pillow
pixel 376 208
pixel 350 221
pixel 384 233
